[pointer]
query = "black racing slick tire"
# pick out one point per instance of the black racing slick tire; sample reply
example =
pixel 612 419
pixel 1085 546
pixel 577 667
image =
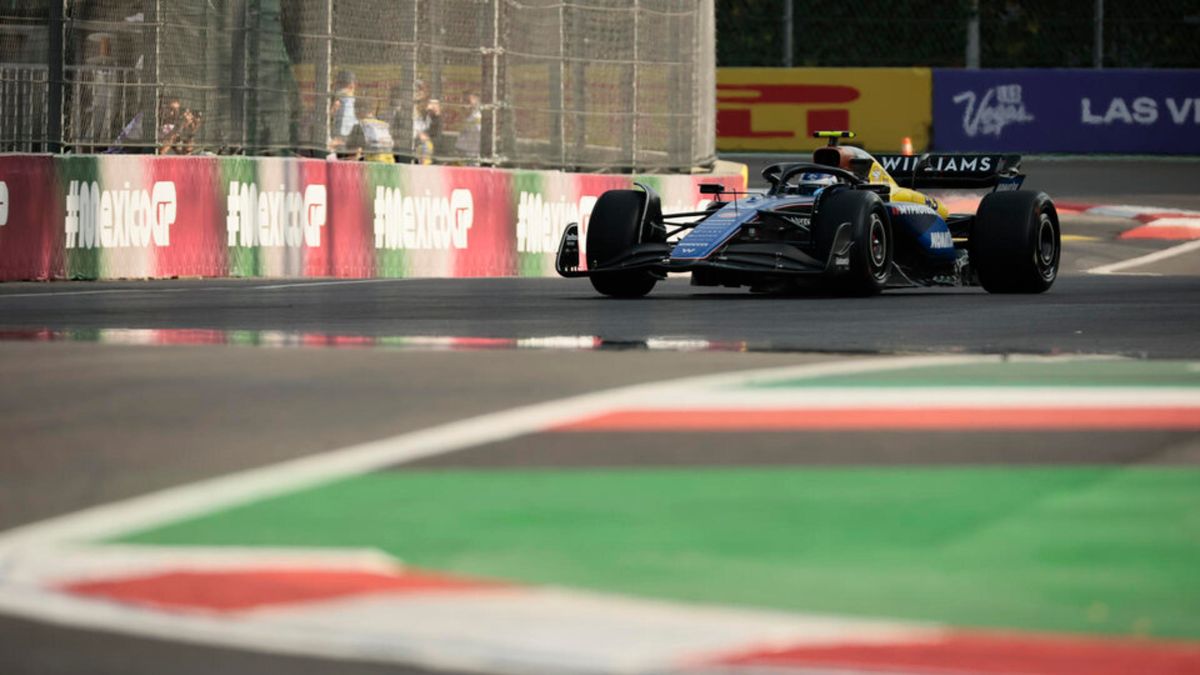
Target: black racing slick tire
pixel 1016 242
pixel 619 221
pixel 870 264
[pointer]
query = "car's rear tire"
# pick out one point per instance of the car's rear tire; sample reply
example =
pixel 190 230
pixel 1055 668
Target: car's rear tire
pixel 870 265
pixel 1016 242
pixel 619 221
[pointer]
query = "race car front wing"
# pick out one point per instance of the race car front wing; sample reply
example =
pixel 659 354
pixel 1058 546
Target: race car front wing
pixel 747 257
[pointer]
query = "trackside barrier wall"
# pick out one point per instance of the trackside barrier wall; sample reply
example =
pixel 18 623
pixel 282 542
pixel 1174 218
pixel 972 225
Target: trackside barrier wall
pixel 1067 110
pixel 105 217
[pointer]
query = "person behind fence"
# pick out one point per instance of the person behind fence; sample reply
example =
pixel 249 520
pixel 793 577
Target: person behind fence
pixel 178 128
pixel 371 138
pixel 192 121
pixel 427 124
pixel 101 114
pixel 169 114
pixel 467 144
pixel 342 116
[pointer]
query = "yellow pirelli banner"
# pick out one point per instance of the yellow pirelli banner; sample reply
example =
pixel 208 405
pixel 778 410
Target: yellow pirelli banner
pixel 771 109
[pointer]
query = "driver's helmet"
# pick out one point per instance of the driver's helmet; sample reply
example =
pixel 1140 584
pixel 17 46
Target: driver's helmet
pixel 814 182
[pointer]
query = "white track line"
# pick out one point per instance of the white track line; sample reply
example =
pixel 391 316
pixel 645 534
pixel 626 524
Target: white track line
pixel 203 289
pixel 1115 268
pixel 107 291
pixel 921 398
pixel 519 631
pixel 171 504
pixel 340 282
pixel 75 563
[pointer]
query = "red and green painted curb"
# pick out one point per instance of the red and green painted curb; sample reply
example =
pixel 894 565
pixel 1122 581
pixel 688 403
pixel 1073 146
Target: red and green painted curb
pixel 1085 567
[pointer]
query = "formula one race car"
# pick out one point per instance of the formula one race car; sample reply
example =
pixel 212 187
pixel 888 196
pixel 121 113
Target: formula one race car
pixel 846 220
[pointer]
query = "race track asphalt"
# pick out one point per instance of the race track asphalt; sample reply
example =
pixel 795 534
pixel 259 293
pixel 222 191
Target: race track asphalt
pixel 1132 315
pixel 86 421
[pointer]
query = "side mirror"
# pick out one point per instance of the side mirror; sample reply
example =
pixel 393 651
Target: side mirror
pixel 711 188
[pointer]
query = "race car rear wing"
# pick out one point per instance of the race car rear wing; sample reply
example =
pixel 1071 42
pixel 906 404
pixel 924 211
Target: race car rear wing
pixel 968 171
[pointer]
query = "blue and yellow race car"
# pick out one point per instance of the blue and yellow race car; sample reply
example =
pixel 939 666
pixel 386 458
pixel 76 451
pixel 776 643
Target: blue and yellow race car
pixel 846 220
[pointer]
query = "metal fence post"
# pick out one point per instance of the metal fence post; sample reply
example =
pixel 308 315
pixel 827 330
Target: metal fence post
pixel 253 71
pixel 55 78
pixel 323 81
pixel 555 81
pixel 491 88
pixel 1098 36
pixel 972 56
pixel 678 133
pixel 153 50
pixel 789 28
pixel 579 93
pixel 633 120
pixel 239 81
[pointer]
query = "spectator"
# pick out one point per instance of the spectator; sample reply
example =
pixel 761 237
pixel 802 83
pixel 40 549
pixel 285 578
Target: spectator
pixel 371 138
pixel 341 111
pixel 101 112
pixel 178 127
pixel 189 128
pixel 427 124
pixel 467 145
pixel 170 117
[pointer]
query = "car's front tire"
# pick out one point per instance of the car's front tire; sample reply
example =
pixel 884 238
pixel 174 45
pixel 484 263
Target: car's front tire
pixel 1016 242
pixel 618 221
pixel 870 264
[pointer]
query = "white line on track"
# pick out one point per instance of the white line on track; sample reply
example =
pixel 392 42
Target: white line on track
pixel 340 282
pixel 118 518
pixel 920 398
pixel 107 291
pixel 513 631
pixel 1115 268
pixel 202 289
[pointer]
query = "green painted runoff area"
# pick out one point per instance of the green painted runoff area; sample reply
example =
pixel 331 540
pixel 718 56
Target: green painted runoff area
pixel 1085 549
pixel 1017 373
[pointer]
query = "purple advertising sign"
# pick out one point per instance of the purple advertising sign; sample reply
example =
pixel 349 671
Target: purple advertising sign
pixel 1067 110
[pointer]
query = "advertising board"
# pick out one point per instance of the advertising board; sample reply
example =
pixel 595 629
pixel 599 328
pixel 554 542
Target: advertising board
pixel 1067 110
pixel 777 109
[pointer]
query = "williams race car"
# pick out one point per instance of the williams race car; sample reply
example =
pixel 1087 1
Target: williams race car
pixel 846 220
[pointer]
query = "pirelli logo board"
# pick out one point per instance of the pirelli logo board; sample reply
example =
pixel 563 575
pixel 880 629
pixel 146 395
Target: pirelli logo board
pixel 767 109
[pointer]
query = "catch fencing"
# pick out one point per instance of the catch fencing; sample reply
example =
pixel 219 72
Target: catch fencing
pixel 601 85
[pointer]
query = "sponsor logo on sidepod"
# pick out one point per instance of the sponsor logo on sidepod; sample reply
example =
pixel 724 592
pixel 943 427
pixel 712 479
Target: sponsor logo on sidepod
pixel 119 218
pixel 941 240
pixel 424 222
pixel 912 209
pixel 274 217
